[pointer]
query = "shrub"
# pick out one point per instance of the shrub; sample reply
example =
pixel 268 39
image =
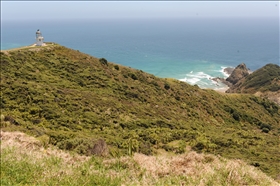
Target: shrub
pixel 236 116
pixel 133 76
pixel 146 148
pixel 265 126
pixel 11 120
pixel 199 147
pixel 36 121
pixel 103 61
pixel 2 103
pixel 167 86
pixel 100 148
pixel 34 110
pixel 125 76
pixel 116 67
pixel 155 83
pixel 266 130
pixel 256 164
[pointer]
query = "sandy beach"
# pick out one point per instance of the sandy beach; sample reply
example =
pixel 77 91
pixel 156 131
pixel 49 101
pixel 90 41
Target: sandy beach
pixel 223 90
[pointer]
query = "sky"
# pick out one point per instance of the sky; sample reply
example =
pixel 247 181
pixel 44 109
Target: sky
pixel 63 10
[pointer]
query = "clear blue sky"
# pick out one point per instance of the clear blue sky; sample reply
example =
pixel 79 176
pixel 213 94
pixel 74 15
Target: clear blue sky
pixel 138 9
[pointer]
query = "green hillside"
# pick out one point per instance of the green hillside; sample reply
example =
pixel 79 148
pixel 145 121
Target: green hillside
pixel 70 100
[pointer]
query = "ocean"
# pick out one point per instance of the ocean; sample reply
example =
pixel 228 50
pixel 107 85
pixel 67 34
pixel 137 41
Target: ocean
pixel 193 50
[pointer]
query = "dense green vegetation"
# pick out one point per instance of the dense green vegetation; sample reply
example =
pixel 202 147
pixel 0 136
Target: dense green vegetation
pixel 70 100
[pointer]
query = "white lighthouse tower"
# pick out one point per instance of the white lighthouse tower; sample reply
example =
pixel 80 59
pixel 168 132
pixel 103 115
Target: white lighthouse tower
pixel 39 38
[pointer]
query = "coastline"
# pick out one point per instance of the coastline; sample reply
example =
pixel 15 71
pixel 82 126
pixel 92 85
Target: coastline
pixel 222 90
pixel 221 84
pixel 227 72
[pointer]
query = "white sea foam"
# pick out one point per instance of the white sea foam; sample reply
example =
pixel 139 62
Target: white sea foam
pixel 200 78
pixel 204 80
pixel 192 80
pixel 198 75
pixel 223 71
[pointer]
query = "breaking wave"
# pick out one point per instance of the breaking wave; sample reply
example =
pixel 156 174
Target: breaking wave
pixel 205 79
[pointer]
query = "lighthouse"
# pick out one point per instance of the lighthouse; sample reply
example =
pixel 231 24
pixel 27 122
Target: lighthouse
pixel 39 38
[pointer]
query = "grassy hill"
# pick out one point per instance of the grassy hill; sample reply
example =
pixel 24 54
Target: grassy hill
pixel 73 101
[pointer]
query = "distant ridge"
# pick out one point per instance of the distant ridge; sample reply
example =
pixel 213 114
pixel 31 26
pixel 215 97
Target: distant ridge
pixel 46 44
pixel 74 101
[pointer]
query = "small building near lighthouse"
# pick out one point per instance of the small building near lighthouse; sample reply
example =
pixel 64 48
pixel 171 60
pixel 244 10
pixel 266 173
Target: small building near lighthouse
pixel 39 38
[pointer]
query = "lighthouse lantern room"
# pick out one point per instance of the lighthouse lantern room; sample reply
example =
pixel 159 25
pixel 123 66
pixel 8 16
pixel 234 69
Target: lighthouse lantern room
pixel 39 38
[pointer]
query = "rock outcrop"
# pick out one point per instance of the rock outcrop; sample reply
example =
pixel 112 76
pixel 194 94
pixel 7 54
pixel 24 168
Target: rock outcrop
pixel 238 73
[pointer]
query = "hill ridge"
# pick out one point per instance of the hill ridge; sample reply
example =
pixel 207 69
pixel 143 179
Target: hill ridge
pixel 76 99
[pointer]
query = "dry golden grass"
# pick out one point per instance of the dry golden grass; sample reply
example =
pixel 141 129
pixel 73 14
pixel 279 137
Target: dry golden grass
pixel 201 169
pixel 190 168
pixel 30 146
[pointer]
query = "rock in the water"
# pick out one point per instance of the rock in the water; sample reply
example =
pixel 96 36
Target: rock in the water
pixel 229 70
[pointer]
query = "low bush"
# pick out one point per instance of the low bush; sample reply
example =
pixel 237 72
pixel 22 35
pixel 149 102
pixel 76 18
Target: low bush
pixel 103 61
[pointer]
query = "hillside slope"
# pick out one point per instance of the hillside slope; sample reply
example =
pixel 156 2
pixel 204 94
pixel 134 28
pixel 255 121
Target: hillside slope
pixel 24 161
pixel 73 99
pixel 264 81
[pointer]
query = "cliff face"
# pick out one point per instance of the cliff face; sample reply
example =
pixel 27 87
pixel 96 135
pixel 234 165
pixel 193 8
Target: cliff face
pixel 238 73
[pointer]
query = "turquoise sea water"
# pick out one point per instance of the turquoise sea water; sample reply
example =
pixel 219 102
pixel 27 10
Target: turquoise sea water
pixel 192 49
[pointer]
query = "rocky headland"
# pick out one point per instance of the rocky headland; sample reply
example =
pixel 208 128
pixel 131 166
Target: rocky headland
pixel 264 82
pixel 235 74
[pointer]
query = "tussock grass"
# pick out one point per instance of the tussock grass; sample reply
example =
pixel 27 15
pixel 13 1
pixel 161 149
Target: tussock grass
pixel 24 161
pixel 201 169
